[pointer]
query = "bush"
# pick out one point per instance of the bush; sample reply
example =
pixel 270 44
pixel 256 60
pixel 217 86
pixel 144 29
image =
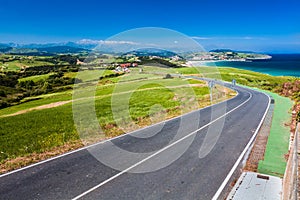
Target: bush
pixel 3 104
pixel 298 117
pixel 2 93
pixel 168 76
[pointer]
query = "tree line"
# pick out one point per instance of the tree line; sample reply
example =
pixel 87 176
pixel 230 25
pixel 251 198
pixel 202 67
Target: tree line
pixel 12 91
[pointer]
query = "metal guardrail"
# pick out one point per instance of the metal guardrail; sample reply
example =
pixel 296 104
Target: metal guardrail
pixel 290 179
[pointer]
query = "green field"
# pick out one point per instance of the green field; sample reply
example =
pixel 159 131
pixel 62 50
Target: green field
pixel 31 102
pixel 17 62
pixel 36 78
pixel 17 65
pixel 37 131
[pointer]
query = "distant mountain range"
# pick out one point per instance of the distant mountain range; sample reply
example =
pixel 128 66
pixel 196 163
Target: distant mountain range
pixel 43 49
pixel 85 46
pixel 80 44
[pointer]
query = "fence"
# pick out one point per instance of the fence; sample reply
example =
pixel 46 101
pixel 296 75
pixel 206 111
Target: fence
pixel 290 179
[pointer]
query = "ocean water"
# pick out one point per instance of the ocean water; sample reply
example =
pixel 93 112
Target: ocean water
pixel 279 65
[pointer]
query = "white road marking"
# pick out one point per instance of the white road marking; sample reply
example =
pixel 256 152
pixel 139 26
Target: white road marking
pixel 223 185
pixel 156 153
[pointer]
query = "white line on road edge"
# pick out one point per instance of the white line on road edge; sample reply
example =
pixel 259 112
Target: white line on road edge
pixel 110 139
pixel 223 185
pixel 156 153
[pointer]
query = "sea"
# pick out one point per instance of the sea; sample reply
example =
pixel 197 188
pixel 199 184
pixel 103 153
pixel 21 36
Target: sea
pixel 278 65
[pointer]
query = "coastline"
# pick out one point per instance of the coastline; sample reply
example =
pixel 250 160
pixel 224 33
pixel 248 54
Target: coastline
pixel 279 65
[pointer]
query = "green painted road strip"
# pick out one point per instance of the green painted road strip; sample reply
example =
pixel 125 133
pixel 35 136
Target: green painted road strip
pixel 274 162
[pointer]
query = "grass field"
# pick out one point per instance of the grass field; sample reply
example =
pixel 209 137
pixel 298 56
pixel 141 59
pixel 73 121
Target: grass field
pixel 17 65
pixel 32 102
pixel 17 62
pixel 36 78
pixel 37 132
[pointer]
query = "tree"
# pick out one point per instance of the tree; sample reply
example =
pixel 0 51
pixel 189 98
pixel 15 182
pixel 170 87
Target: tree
pixel 27 84
pixel 2 93
pixel 47 87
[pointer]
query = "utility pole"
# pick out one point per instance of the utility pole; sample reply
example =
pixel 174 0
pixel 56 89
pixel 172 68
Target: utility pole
pixel 233 82
pixel 211 85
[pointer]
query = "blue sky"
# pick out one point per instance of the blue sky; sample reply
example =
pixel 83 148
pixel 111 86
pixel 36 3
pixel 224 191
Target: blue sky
pixel 258 25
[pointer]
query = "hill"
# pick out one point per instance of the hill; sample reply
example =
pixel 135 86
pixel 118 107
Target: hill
pixel 44 51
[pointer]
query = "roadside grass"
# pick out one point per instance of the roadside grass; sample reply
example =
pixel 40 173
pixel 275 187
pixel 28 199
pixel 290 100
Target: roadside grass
pixel 194 81
pixel 35 132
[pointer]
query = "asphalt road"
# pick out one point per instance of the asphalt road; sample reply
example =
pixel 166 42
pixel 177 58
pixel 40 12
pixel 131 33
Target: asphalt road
pixel 166 165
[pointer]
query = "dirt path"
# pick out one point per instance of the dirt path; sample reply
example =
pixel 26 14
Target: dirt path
pixel 51 105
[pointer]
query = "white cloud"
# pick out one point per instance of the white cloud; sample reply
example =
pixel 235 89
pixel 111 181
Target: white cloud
pixel 97 42
pixel 248 38
pixel 200 38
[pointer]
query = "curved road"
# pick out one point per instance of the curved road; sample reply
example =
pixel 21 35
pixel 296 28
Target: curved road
pixel 78 175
